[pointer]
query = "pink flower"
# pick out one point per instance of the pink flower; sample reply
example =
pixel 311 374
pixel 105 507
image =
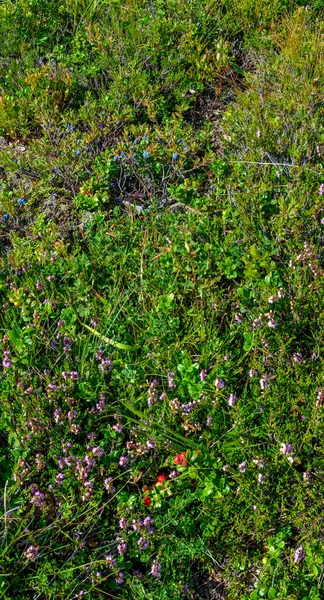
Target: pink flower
pixel 232 399
pixel 286 449
pixel 299 555
pixel 123 461
pixel 156 569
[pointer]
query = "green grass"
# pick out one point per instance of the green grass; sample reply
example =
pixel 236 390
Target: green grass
pixel 161 284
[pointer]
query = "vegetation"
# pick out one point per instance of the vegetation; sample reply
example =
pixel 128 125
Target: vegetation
pixel 161 284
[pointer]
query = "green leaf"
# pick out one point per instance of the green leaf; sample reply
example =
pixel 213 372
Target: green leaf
pixel 15 336
pixel 192 472
pixel 109 340
pixel 272 593
pixel 248 341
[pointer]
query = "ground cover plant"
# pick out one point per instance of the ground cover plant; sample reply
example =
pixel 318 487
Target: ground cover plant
pixel 161 286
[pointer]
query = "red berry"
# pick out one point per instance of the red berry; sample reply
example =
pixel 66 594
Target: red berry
pixel 183 456
pixel 147 501
pixel 161 478
pixel 178 459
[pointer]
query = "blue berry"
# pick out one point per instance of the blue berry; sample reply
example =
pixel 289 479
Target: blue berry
pixel 175 155
pixel 145 154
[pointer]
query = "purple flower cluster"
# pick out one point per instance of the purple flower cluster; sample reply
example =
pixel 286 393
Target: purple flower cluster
pixel 286 449
pixel 120 577
pixel 72 375
pixel 31 553
pixel 152 392
pixel 108 485
pixel 58 416
pixel 232 399
pixel 51 387
pixel 122 547
pixel 6 363
pixel 174 474
pixel 187 408
pixel 138 573
pixel 102 403
pixel 219 384
pixel 88 488
pixel 72 415
pixel 299 555
pixel 66 345
pixel 156 569
pixel 148 523
pixel 264 383
pixel 123 461
pixel 297 357
pixel 171 377
pixel 174 404
pixel 257 322
pixel 271 321
pixel 37 496
pixel 320 397
pixel 36 425
pixel 111 561
pixel 105 363
pixel 143 543
pixel 97 451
